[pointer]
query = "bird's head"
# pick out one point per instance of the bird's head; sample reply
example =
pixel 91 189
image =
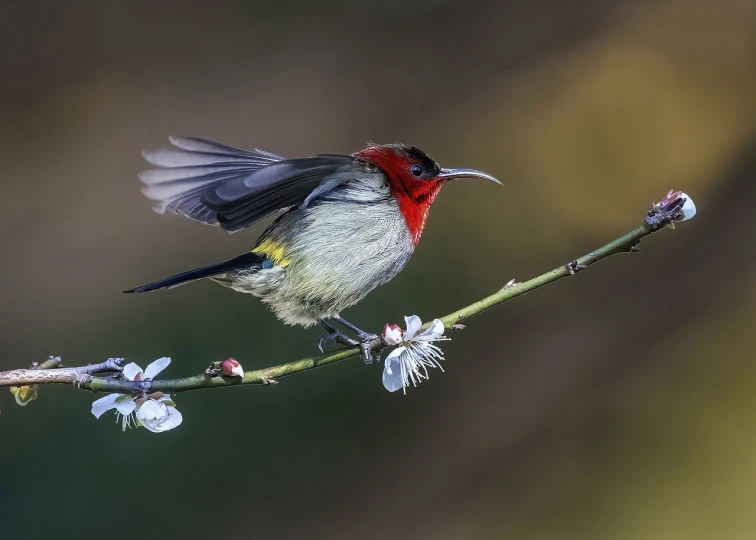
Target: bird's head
pixel 415 179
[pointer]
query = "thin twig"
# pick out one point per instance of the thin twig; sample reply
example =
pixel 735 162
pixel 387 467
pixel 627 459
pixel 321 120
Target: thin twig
pixel 52 362
pixel 41 374
pixel 659 216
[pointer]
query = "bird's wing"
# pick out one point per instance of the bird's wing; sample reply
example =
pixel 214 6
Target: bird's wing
pixel 217 184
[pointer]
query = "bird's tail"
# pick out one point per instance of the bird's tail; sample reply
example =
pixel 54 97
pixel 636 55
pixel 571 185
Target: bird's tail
pixel 243 261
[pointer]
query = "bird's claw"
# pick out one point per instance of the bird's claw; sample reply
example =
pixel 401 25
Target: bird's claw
pixel 338 337
pixel 364 339
pixel 366 346
pixel 367 352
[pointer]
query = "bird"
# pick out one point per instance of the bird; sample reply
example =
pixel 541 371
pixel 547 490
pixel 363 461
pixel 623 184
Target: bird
pixel 345 224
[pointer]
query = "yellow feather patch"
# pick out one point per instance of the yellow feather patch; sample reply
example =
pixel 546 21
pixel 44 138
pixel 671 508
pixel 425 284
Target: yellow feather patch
pixel 273 251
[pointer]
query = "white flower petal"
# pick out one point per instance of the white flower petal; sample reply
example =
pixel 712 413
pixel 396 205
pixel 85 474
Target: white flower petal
pixel 238 371
pixel 392 359
pixel 152 413
pixel 436 331
pixel 392 375
pixel 130 371
pixel 157 417
pixel 104 404
pixel 125 405
pixel 156 367
pixel 413 325
pixel 688 209
pixel 151 409
pixel 174 420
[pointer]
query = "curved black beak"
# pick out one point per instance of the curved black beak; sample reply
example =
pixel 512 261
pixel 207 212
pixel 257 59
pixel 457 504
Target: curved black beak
pixel 450 174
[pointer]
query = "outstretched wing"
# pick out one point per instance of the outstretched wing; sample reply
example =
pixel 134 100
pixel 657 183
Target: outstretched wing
pixel 217 184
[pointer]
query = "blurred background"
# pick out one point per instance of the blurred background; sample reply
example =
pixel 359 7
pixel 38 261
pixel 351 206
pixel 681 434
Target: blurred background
pixel 617 404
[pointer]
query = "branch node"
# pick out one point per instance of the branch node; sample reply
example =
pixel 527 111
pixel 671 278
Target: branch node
pixel 113 364
pixel 574 267
pixel 667 211
pixel 265 379
pixel 82 380
pixel 141 388
pixel 52 362
pixel 213 370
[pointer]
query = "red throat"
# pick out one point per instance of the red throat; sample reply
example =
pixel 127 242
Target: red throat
pixel 414 195
pixel 415 202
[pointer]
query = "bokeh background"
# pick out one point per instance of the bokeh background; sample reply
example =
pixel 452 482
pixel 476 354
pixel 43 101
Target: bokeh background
pixel 618 404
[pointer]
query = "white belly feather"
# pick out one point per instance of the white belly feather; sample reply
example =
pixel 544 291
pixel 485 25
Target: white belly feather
pixel 335 251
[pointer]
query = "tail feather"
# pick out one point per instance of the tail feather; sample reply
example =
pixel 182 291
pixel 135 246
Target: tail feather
pixel 243 261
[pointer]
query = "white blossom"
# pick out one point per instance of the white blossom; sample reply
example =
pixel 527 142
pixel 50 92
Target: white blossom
pixel 158 415
pixel 157 412
pixel 409 363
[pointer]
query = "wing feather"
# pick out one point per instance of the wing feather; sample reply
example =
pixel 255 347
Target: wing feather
pixel 217 184
pixel 194 144
pixel 169 157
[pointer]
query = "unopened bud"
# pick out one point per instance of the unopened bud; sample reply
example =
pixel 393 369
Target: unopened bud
pixel 392 334
pixel 688 209
pixel 24 394
pixel 231 368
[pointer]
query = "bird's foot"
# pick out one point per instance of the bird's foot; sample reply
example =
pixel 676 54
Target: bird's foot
pixel 336 336
pixel 366 346
pixel 364 338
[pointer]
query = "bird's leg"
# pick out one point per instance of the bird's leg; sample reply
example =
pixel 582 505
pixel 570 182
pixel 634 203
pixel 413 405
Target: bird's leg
pixel 364 339
pixel 334 335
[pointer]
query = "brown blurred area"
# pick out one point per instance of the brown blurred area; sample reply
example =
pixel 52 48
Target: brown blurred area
pixel 618 404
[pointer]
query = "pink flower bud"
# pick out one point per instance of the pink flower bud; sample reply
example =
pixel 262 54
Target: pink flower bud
pixel 231 368
pixel 671 197
pixel 688 207
pixel 392 334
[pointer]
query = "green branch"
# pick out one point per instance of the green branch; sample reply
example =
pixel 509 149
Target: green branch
pixel 663 214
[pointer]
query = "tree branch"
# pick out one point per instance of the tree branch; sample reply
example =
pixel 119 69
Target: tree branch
pixel 49 373
pixel 661 215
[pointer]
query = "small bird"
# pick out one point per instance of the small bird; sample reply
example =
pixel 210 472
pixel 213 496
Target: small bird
pixel 348 223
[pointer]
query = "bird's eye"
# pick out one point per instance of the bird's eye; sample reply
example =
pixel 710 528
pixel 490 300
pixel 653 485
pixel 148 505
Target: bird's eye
pixel 416 170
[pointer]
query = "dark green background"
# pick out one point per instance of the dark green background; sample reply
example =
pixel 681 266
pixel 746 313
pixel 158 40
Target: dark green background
pixel 614 405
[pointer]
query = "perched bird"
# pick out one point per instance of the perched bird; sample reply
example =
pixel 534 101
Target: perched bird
pixel 349 223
